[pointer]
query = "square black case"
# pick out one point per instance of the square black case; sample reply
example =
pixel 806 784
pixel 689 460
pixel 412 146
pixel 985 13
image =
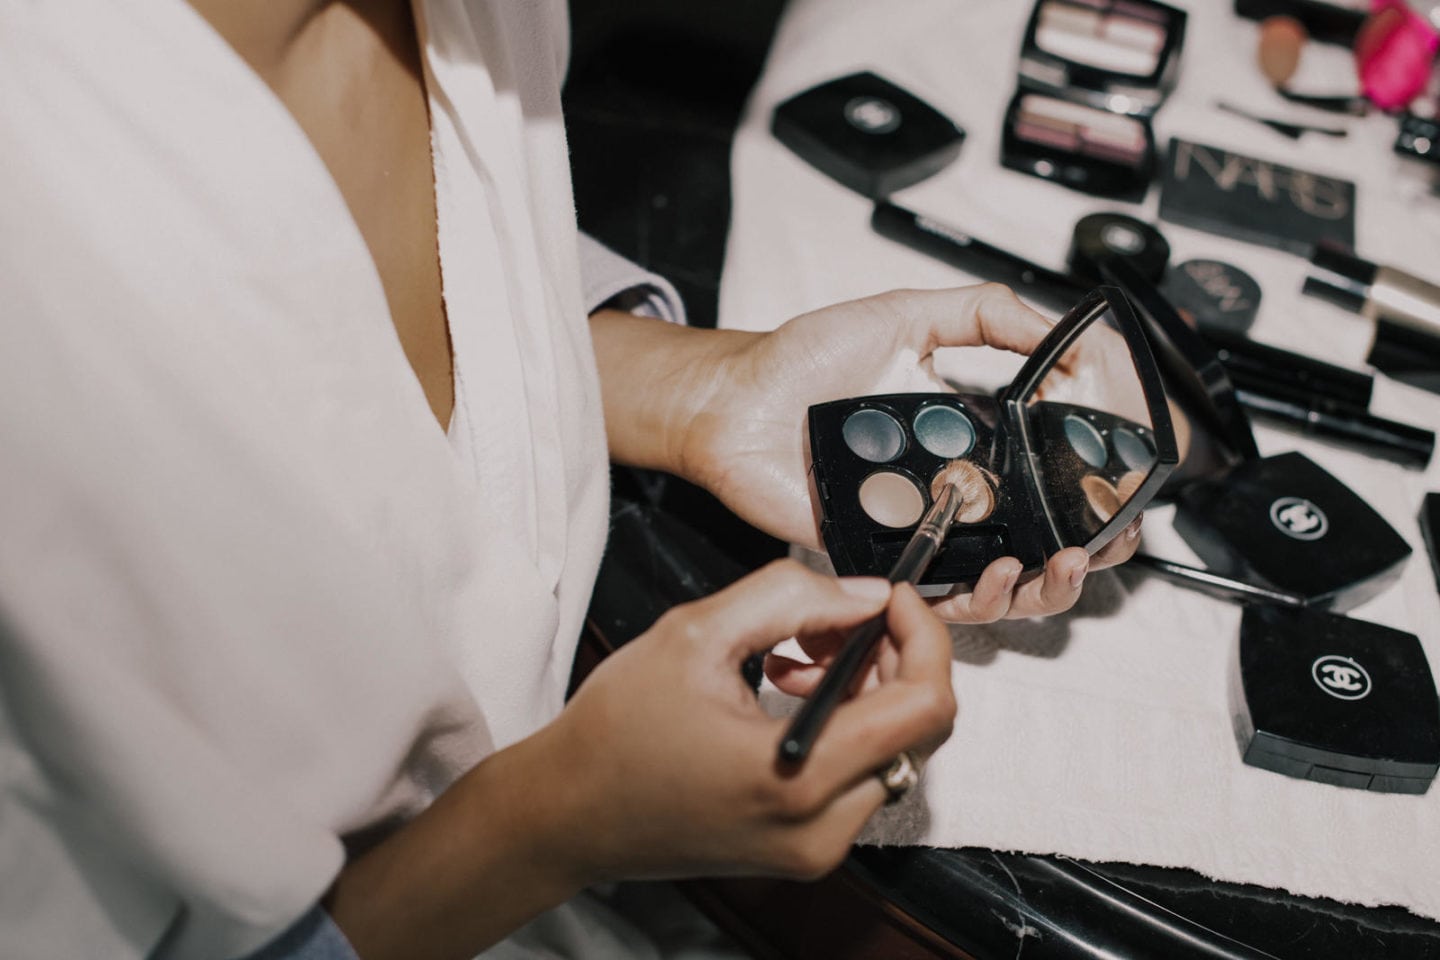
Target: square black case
pixel 1258 201
pixel 1286 523
pixel 1323 697
pixel 867 133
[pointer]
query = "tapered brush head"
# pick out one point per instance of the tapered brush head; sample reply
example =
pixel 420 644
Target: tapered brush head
pixel 976 488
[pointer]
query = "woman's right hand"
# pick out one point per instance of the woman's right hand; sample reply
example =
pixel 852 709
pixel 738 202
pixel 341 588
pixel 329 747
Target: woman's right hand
pixel 663 765
pixel 676 761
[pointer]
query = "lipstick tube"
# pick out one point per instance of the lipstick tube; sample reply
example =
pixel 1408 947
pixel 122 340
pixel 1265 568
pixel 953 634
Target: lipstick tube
pixel 1282 373
pixel 1374 291
pixel 1387 439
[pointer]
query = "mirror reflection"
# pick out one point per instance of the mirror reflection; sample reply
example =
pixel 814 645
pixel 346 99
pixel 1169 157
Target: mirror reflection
pixel 1091 434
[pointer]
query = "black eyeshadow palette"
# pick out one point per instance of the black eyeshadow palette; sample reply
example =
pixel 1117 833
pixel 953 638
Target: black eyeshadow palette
pixel 1079 146
pixel 1067 455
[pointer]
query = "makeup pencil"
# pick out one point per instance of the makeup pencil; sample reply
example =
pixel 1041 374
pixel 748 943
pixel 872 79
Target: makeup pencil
pixel 855 653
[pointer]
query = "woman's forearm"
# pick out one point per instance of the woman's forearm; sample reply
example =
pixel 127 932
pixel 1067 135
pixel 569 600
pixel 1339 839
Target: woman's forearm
pixel 657 380
pixel 487 856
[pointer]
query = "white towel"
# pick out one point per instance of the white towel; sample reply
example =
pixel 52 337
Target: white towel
pixel 1105 733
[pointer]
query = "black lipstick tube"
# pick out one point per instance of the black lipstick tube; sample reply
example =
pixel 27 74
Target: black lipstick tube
pixel 1387 439
pixel 948 244
pixel 1283 373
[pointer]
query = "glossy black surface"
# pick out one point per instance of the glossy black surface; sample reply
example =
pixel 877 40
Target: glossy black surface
pixel 1286 522
pixel 868 133
pixel 1335 699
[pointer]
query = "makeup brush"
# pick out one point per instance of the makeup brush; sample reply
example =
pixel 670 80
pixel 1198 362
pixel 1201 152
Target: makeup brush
pixel 949 487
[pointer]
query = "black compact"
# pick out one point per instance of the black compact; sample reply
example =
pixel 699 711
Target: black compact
pixel 1066 455
pixel 1282 521
pixel 868 133
pixel 1078 145
pixel 1119 55
pixel 1346 702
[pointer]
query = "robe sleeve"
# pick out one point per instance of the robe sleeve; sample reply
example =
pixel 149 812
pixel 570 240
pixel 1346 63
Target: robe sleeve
pixel 609 280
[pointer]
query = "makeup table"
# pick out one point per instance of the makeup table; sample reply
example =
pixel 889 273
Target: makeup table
pixel 1103 735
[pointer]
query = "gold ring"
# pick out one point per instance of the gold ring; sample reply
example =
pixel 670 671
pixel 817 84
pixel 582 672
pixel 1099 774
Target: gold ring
pixel 900 777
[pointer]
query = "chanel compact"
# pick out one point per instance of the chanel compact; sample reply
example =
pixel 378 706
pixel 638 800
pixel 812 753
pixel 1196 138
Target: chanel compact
pixel 1119 55
pixel 867 133
pixel 1280 522
pixel 1066 455
pixel 1284 522
pixel 1323 697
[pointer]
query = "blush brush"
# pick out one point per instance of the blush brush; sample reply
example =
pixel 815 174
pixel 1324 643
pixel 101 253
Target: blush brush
pixel 960 489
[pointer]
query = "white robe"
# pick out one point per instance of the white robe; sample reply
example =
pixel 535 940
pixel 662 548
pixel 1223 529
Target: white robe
pixel 252 598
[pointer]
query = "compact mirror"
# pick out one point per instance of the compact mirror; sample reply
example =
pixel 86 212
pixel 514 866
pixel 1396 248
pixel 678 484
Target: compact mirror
pixel 1066 455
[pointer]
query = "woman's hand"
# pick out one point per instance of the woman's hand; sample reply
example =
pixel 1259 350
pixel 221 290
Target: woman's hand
pixel 662 765
pixel 727 411
pixel 678 760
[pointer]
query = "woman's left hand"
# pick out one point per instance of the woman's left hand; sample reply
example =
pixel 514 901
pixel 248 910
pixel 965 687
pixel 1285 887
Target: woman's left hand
pixel 740 432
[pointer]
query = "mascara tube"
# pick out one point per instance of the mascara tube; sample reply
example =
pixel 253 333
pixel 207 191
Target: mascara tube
pixel 948 244
pixel 1387 439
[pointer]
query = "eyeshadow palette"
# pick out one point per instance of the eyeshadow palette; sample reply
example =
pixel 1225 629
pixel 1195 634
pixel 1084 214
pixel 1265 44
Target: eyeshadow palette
pixel 1083 147
pixel 1066 455
pixel 1121 55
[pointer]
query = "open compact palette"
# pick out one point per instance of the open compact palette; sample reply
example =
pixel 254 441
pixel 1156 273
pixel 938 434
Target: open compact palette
pixel 1092 73
pixel 1121 55
pixel 1083 147
pixel 1066 455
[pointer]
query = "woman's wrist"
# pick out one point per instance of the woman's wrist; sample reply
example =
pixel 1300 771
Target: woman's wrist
pixel 664 389
pixel 486 857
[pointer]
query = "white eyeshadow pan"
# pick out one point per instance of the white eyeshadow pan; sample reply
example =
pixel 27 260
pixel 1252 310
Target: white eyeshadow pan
pixel 1115 42
pixel 891 499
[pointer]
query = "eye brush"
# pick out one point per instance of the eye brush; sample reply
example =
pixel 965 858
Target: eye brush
pixel 855 653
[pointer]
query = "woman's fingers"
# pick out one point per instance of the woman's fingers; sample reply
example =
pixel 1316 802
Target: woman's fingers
pixel 1120 549
pixel 1000 593
pixel 913 710
pixel 986 315
pixel 778 601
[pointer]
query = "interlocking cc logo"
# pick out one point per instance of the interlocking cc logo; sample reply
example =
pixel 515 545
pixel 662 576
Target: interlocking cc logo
pixel 1341 677
pixel 872 115
pixel 1299 518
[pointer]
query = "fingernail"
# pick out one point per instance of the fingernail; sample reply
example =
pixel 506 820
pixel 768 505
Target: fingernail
pixel 1133 531
pixel 1011 578
pixel 873 589
pixel 1077 575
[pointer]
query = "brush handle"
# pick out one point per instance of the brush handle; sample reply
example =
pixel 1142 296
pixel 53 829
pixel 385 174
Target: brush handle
pixel 855 653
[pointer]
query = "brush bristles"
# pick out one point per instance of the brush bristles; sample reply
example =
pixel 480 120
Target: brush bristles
pixel 975 487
